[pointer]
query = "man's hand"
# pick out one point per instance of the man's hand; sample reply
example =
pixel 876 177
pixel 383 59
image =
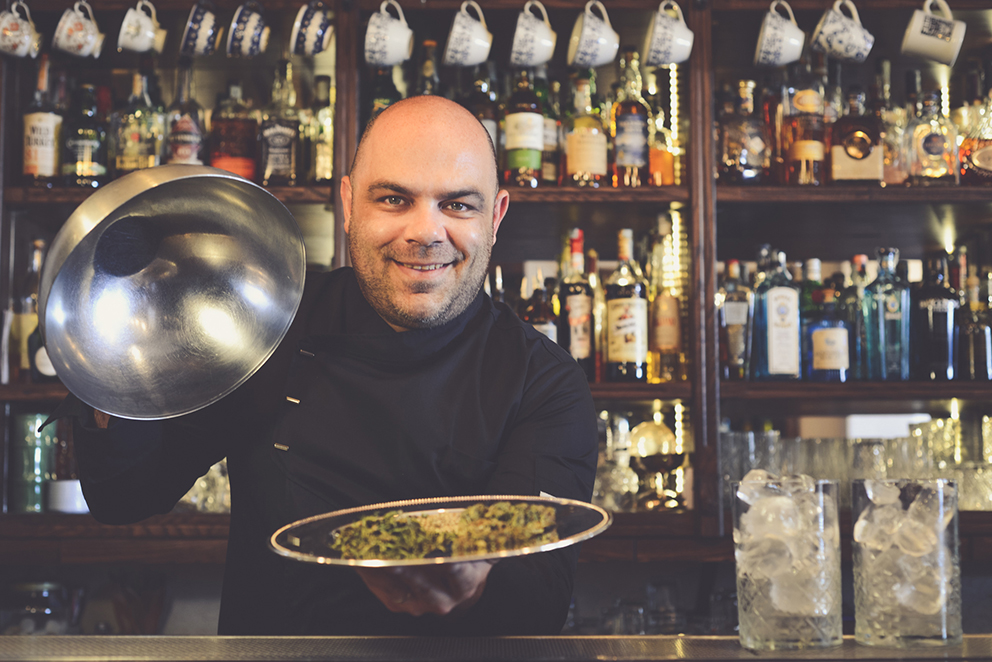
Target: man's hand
pixel 428 589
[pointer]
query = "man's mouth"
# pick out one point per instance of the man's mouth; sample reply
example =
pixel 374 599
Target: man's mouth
pixel 423 267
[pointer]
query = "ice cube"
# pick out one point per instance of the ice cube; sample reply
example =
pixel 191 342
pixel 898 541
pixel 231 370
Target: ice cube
pixel 771 516
pixel 933 508
pixel 915 538
pixel 875 526
pixel 923 585
pixel 882 493
pixel 805 593
pixel 757 484
pixel 798 485
pixel 764 558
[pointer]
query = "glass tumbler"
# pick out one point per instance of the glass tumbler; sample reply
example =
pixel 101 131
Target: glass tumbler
pixel 787 550
pixel 907 581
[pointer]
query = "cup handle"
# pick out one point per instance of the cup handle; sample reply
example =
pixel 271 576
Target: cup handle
pixel 671 4
pixel 850 5
pixel 151 8
pixel 478 11
pixel 27 14
pixel 792 17
pixel 944 9
pixel 602 11
pixel 89 10
pixel 396 6
pixel 537 3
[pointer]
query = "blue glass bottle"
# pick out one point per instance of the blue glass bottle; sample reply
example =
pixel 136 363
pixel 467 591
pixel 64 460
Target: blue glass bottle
pixel 776 340
pixel 933 327
pixel 826 354
pixel 886 308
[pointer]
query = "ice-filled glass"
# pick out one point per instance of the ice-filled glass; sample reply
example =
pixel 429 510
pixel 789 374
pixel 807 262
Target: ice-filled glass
pixel 787 548
pixel 907 581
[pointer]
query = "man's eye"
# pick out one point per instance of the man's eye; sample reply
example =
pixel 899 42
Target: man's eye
pixel 393 200
pixel 458 206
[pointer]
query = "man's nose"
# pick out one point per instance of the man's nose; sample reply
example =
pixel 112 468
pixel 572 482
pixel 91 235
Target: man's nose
pixel 425 225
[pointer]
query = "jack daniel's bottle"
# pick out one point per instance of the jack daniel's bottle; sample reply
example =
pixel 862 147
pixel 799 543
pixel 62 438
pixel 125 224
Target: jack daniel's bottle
pixel 280 132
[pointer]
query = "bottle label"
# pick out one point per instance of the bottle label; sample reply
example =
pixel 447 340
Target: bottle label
pixel 548 329
pixel 844 166
pixel 549 171
pixel 81 163
pixel 666 335
pixel 524 131
pixel 278 148
pixel 585 151
pixel 141 147
pixel 579 307
pixel 520 159
pixel 830 349
pixel 735 313
pixel 806 150
pixel 783 331
pixel 631 142
pixel 185 140
pixel 41 150
pixel 981 158
pixel 239 165
pixel 939 305
pixel 627 330
pixel 933 144
pixel 492 127
pixel 807 101
pixel 893 308
pixel 550 134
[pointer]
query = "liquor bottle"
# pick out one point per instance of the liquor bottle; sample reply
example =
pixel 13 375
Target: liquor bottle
pixel 524 132
pixel 932 150
pixel 320 134
pixel 662 462
pixel 629 121
pixel 772 117
pixel 914 95
pixel 234 135
pixel 974 334
pixel 809 306
pixel 851 304
pixel 827 357
pixel 742 140
pixel 550 155
pixel 626 316
pixel 428 81
pixel 976 150
pixel 894 127
pixel 384 92
pixel 735 309
pixel 664 321
pixel 575 322
pixel 25 317
pixel 84 147
pixel 775 343
pixel 661 150
pixel 886 308
pixel 598 311
pixel 186 141
pixel 137 131
pixel 42 158
pixel 834 102
pixel 537 309
pixel 481 100
pixel 803 128
pixel 933 330
pixel 498 294
pixel 969 108
pixel 616 485
pixel 279 135
pixel 856 152
pixel 585 138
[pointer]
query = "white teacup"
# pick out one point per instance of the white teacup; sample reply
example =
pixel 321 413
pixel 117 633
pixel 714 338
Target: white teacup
pixel 932 37
pixel 140 31
pixel 594 42
pixel 18 36
pixel 203 31
pixel 780 40
pixel 469 40
pixel 669 39
pixel 65 496
pixel 534 40
pixel 312 29
pixel 249 35
pixel 388 40
pixel 840 36
pixel 77 32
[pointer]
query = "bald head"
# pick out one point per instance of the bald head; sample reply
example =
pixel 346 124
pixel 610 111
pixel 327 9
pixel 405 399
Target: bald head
pixel 433 116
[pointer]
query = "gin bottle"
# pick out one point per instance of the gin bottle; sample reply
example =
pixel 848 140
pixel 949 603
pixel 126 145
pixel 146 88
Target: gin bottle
pixel 975 355
pixel 575 321
pixel 585 139
pixel 886 308
pixel 735 309
pixel 852 306
pixel 84 151
pixel 809 305
pixel 932 149
pixel 742 141
pixel 933 330
pixel 629 121
pixel 775 345
pixel 524 134
pixel 626 316
pixel 827 358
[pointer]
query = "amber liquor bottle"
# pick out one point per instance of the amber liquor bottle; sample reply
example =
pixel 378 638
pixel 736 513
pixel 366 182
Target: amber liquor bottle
pixel 42 134
pixel 629 121
pixel 279 155
pixel 626 317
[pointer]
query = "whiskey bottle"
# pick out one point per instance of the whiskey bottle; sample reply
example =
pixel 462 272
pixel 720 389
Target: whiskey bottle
pixel 137 131
pixel 481 100
pixel 524 132
pixel 428 81
pixel 975 355
pixel 84 147
pixel 25 317
pixel 41 163
pixel 234 135
pixel 629 121
pixel 772 117
pixel 933 150
pixel 742 140
pixel 550 155
pixel 933 330
pixel 384 92
pixel 626 316
pixel 598 310
pixel 969 107
pixel 775 345
pixel 976 150
pixel 662 149
pixel 186 141
pixel 803 129
pixel 735 309
pixel 537 310
pixel 575 322
pixel 665 324
pixel 585 138
pixel 320 133
pixel 280 132
pixel 856 151
pixel 886 313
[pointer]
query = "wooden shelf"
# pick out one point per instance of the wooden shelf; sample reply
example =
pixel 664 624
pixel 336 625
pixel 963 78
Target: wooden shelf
pixel 32 392
pixel 21 195
pixel 848 194
pixel 797 5
pixel 855 391
pixel 271 6
pixel 638 391
pixel 567 195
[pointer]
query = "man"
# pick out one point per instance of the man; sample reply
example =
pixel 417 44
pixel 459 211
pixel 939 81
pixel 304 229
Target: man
pixel 398 379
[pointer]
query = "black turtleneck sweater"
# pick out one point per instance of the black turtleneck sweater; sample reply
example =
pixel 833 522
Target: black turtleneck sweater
pixel 481 405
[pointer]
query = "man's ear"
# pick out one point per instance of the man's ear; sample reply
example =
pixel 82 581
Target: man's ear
pixel 499 210
pixel 346 201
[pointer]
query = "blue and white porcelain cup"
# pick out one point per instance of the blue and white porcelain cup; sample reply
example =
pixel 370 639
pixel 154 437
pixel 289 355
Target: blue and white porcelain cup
pixel 469 40
pixel 669 39
pixel 388 40
pixel 534 40
pixel 841 36
pixel 594 42
pixel 781 39
pixel 249 35
pixel 203 30
pixel 312 29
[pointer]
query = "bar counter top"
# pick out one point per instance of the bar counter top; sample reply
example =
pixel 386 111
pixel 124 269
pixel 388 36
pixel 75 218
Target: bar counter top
pixel 454 649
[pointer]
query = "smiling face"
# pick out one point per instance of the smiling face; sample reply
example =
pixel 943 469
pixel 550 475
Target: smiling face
pixel 421 212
